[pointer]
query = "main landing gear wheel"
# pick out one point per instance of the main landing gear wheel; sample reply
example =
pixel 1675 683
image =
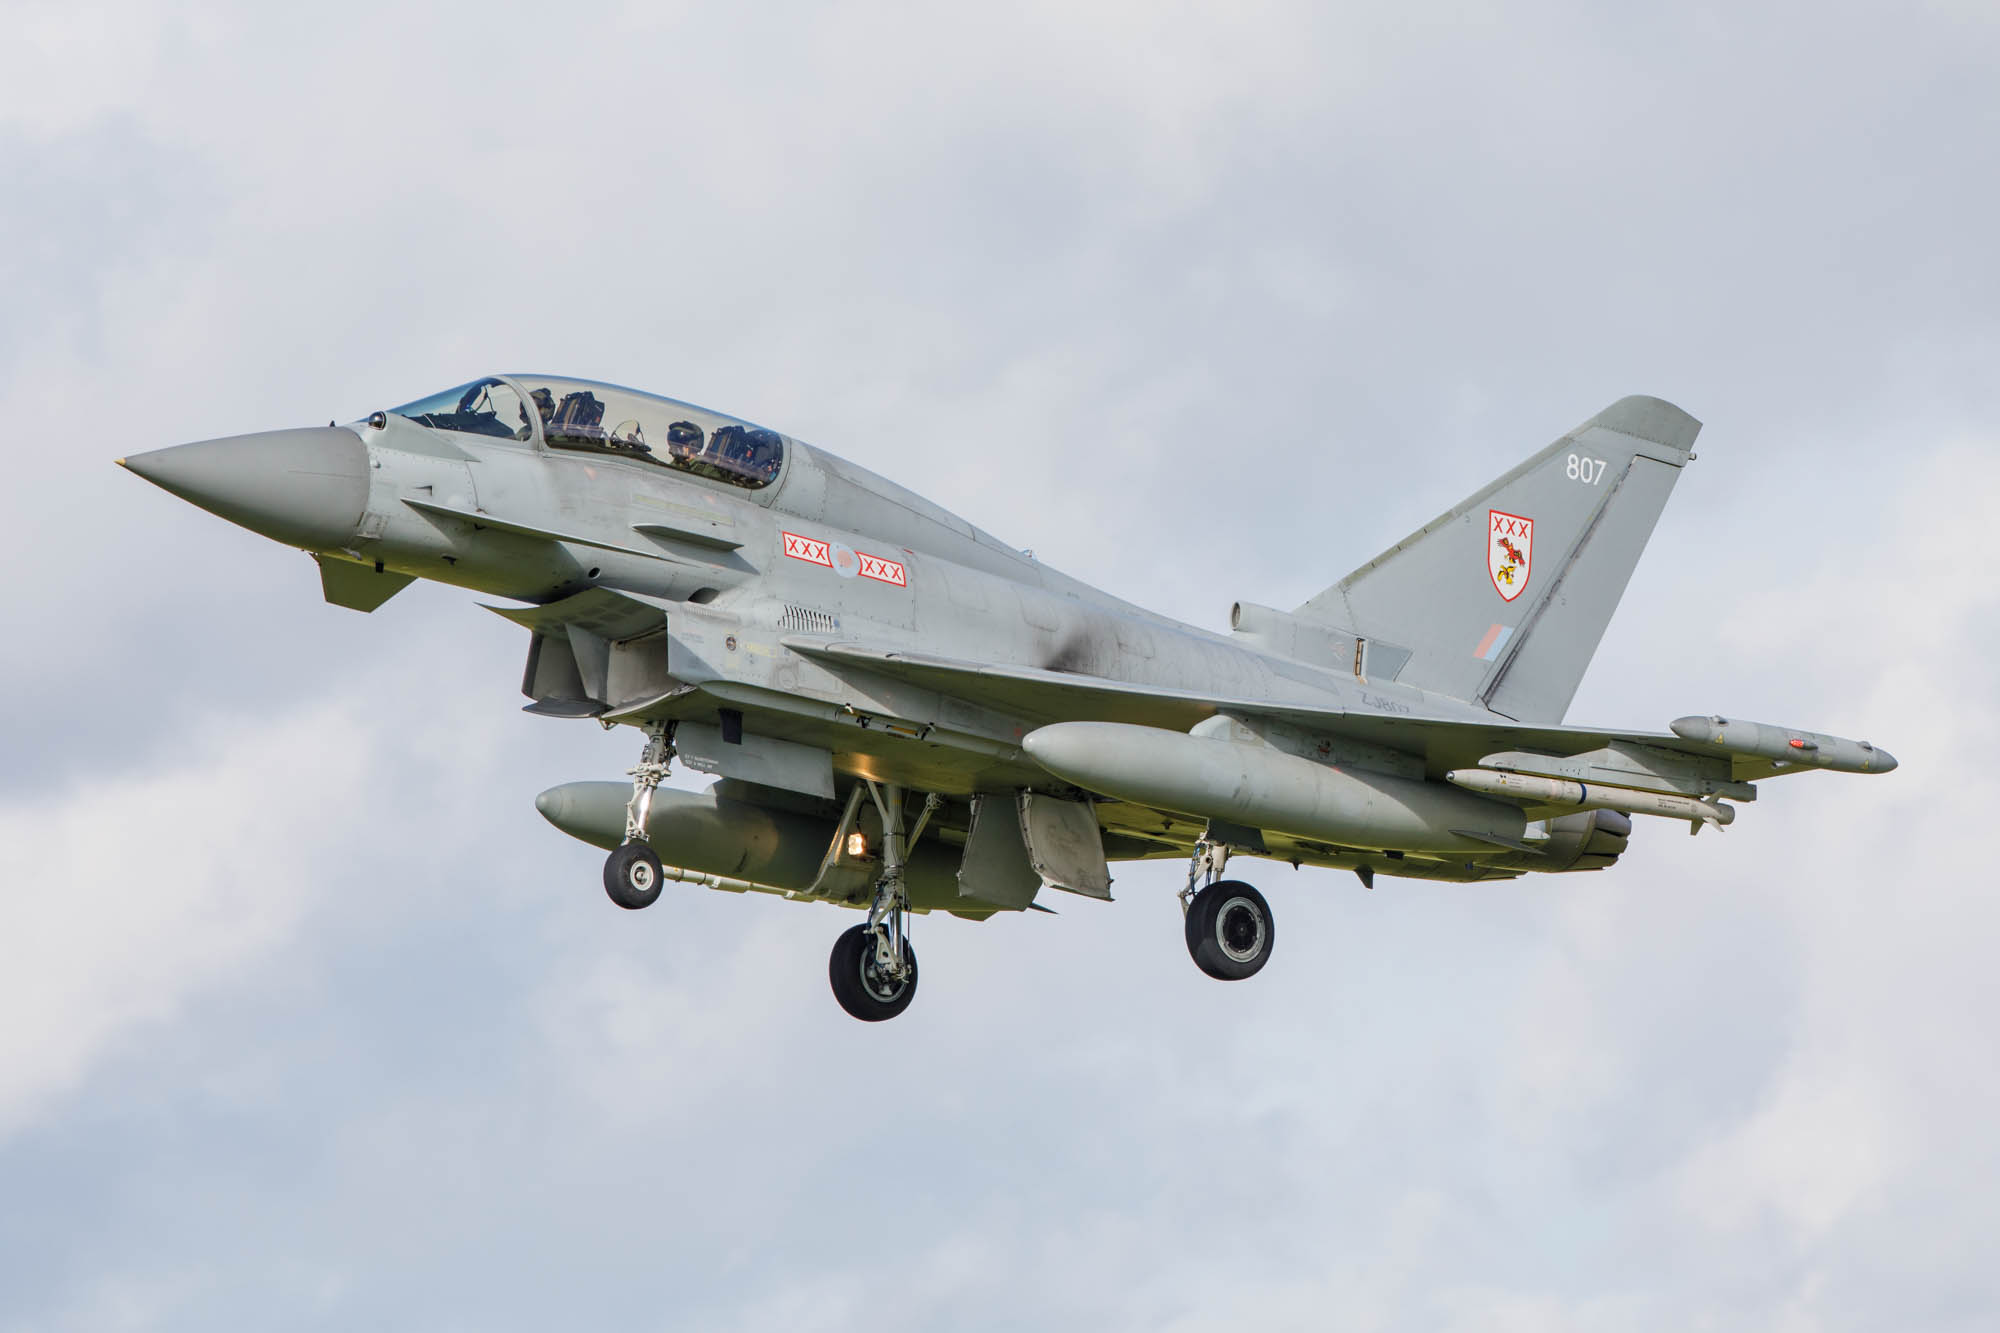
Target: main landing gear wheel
pixel 1229 930
pixel 873 968
pixel 863 986
pixel 633 877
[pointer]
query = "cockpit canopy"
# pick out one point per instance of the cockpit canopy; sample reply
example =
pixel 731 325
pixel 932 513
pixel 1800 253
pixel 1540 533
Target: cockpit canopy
pixel 604 418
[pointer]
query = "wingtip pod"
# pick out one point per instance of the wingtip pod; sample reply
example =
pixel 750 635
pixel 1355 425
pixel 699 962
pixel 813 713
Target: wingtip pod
pixel 1647 418
pixel 1784 745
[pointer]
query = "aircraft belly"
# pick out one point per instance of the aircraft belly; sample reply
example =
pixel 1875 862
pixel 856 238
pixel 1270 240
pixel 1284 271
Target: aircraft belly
pixel 1140 832
pixel 755 757
pixel 916 751
pixel 958 765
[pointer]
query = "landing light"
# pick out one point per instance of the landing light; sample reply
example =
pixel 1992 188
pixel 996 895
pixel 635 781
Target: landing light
pixel 857 845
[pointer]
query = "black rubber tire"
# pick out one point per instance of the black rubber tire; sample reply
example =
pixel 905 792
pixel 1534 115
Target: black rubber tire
pixel 632 876
pixel 861 990
pixel 1229 930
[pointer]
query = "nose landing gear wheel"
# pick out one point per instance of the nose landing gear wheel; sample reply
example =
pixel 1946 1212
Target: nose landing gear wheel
pixel 632 876
pixel 1229 930
pixel 863 988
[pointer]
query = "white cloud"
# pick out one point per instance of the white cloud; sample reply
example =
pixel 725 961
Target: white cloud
pixel 1201 304
pixel 88 61
pixel 1818 1149
pixel 125 896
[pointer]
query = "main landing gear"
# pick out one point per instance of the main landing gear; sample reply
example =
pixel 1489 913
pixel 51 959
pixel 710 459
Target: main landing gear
pixel 873 969
pixel 1229 927
pixel 632 873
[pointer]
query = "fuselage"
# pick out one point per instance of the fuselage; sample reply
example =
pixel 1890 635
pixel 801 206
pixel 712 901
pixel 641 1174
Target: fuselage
pixel 754 559
pixel 825 542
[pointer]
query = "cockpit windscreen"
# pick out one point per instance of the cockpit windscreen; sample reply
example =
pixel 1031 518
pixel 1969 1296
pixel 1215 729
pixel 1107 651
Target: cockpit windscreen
pixel 580 414
pixel 483 407
pixel 603 418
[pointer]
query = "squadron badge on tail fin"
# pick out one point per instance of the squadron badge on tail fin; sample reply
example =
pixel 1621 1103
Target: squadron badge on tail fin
pixel 1510 544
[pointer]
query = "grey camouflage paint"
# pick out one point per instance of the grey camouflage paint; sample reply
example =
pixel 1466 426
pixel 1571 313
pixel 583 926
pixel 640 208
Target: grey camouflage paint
pixel 853 629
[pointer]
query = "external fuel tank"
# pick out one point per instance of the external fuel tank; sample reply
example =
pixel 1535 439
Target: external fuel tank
pixel 1261 787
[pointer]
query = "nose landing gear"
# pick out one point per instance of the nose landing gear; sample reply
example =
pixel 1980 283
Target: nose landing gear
pixel 633 875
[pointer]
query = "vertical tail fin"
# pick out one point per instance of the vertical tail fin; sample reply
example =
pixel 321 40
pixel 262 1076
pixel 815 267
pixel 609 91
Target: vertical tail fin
pixel 1503 599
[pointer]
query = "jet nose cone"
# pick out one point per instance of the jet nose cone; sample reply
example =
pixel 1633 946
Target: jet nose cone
pixel 1884 761
pixel 302 487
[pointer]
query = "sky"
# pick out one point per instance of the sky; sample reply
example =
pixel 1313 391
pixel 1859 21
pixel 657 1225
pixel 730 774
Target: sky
pixel 312 1022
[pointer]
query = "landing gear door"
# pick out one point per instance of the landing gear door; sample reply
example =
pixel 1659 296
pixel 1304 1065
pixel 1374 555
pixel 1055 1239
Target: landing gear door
pixel 996 871
pixel 1065 845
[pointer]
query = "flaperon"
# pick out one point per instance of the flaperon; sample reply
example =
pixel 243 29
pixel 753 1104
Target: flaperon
pixel 904 714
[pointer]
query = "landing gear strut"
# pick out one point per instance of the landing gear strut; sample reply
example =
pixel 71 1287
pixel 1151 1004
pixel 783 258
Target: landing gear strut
pixel 1228 923
pixel 632 873
pixel 873 969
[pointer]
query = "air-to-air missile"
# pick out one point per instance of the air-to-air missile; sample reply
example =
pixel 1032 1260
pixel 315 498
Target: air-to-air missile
pixel 1590 795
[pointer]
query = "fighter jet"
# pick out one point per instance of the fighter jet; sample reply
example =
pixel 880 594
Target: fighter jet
pixel 906 715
